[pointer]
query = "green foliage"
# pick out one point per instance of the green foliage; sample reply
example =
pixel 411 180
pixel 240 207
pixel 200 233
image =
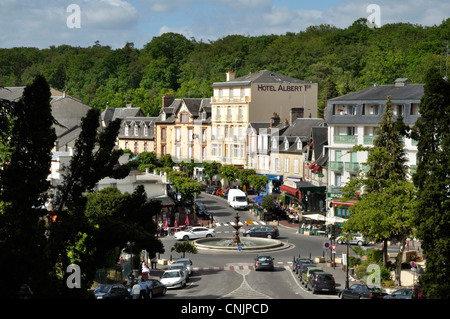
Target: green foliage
pixel 339 60
pixel 258 181
pixel 184 247
pixel 228 172
pixel 211 169
pixel 432 178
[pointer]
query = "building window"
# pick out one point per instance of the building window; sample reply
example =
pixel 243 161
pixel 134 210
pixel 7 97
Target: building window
pixel 163 134
pixel 190 135
pixel 126 146
pixel 295 166
pixel 204 135
pixel 127 130
pixel 145 130
pixel 203 153
pixel 337 180
pixel 136 130
pixel 214 150
pixel 177 134
pixel 236 150
pixel 145 147
pixel 277 164
pixel 178 151
pixel 136 149
pixel 163 150
pixel 190 151
pixel 286 165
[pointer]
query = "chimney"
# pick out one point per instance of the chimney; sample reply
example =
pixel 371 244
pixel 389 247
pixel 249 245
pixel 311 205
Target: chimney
pixel 167 99
pixel 230 76
pixel 129 106
pixel 401 82
pixel 274 120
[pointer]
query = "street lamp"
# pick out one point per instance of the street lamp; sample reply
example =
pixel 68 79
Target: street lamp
pixel 348 264
pixel 130 247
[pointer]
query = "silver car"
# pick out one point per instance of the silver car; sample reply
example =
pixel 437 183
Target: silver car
pixel 356 240
pixel 180 266
pixel 187 262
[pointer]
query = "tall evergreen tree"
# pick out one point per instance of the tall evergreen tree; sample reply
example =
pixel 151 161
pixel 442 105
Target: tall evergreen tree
pixel 432 178
pixel 24 186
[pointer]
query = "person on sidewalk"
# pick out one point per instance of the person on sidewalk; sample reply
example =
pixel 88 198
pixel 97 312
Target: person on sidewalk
pixel 136 290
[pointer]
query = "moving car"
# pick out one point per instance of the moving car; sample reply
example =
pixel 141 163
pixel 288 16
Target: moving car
pixel 404 293
pixel 362 291
pixel 194 233
pixel 180 266
pixel 174 278
pixel 355 240
pixel 299 262
pixel 111 291
pixel 264 262
pixel 212 189
pixel 321 281
pixel 263 231
pixel 187 262
pixel 237 199
pixel 202 212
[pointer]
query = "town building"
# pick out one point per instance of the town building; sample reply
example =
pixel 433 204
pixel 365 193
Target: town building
pixel 353 119
pixel 182 129
pixel 249 99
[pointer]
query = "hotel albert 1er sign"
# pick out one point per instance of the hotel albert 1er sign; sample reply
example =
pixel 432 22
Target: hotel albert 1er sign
pixel 283 87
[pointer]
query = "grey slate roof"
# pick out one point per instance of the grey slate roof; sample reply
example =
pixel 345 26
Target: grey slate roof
pixel 380 92
pixel 262 76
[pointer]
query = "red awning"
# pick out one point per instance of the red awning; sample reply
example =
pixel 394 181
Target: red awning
pixel 342 203
pixel 290 190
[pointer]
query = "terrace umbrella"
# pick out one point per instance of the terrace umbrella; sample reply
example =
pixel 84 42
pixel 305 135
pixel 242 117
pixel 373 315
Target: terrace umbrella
pixel 187 221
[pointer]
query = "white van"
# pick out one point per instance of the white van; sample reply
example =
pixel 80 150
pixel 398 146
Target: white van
pixel 237 199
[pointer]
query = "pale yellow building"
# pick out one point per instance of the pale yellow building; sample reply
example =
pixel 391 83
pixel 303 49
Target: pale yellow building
pixel 182 129
pixel 254 98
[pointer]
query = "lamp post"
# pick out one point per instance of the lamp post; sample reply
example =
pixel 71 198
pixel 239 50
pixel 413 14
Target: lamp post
pixel 348 264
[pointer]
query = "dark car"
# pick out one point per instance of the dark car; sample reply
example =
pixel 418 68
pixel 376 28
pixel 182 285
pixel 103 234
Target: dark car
pixel 155 287
pixel 362 291
pixel 111 291
pixel 212 189
pixel 299 262
pixel 404 293
pixel 264 262
pixel 321 281
pixel 263 231
pixel 307 273
pixel 304 268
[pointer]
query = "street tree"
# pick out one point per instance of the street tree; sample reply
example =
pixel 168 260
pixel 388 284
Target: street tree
pixel 185 247
pixel 211 169
pixel 258 181
pixel 228 172
pixel 432 178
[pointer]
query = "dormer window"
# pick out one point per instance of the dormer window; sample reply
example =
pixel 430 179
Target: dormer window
pixel 145 130
pixel 286 144
pixel 274 143
pixel 299 145
pixel 136 130
pixel 203 115
pixel 163 116
pixel 127 130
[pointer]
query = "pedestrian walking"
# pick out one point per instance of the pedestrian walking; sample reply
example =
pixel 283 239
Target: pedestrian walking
pixel 136 290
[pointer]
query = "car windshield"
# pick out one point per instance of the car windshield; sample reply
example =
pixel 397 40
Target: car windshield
pixel 103 288
pixel 264 258
pixel 171 274
pixel 176 267
pixel 240 199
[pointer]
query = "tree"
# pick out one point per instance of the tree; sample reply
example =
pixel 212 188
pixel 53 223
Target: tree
pixel 184 247
pixel 211 169
pixel 258 181
pixel 24 185
pixel 228 172
pixel 432 179
pixel 244 174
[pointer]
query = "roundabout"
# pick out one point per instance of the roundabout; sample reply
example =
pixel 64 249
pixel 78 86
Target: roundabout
pixel 245 245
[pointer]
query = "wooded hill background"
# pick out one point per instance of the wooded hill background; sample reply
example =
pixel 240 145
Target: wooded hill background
pixel 340 60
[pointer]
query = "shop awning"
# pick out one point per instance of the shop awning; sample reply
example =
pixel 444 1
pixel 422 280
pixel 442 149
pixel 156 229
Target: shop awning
pixel 343 203
pixel 289 190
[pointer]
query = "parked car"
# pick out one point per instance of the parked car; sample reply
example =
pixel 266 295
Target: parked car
pixel 194 233
pixel 187 262
pixel 299 262
pixel 404 293
pixel 180 266
pixel 155 287
pixel 212 189
pixel 355 240
pixel 174 278
pixel 263 231
pixel 361 291
pixel 304 268
pixel 321 281
pixel 264 262
pixel 306 274
pixel 111 291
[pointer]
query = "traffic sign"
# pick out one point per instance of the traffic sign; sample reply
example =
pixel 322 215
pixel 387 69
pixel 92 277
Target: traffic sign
pixel 333 247
pixel 240 248
pixel 326 245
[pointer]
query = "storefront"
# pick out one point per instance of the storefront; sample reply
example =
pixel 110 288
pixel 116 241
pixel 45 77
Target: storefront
pixel 309 196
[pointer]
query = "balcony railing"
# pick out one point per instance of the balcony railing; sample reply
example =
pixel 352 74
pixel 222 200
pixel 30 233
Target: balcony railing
pixel 351 167
pixel 336 166
pixel 368 139
pixel 346 139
